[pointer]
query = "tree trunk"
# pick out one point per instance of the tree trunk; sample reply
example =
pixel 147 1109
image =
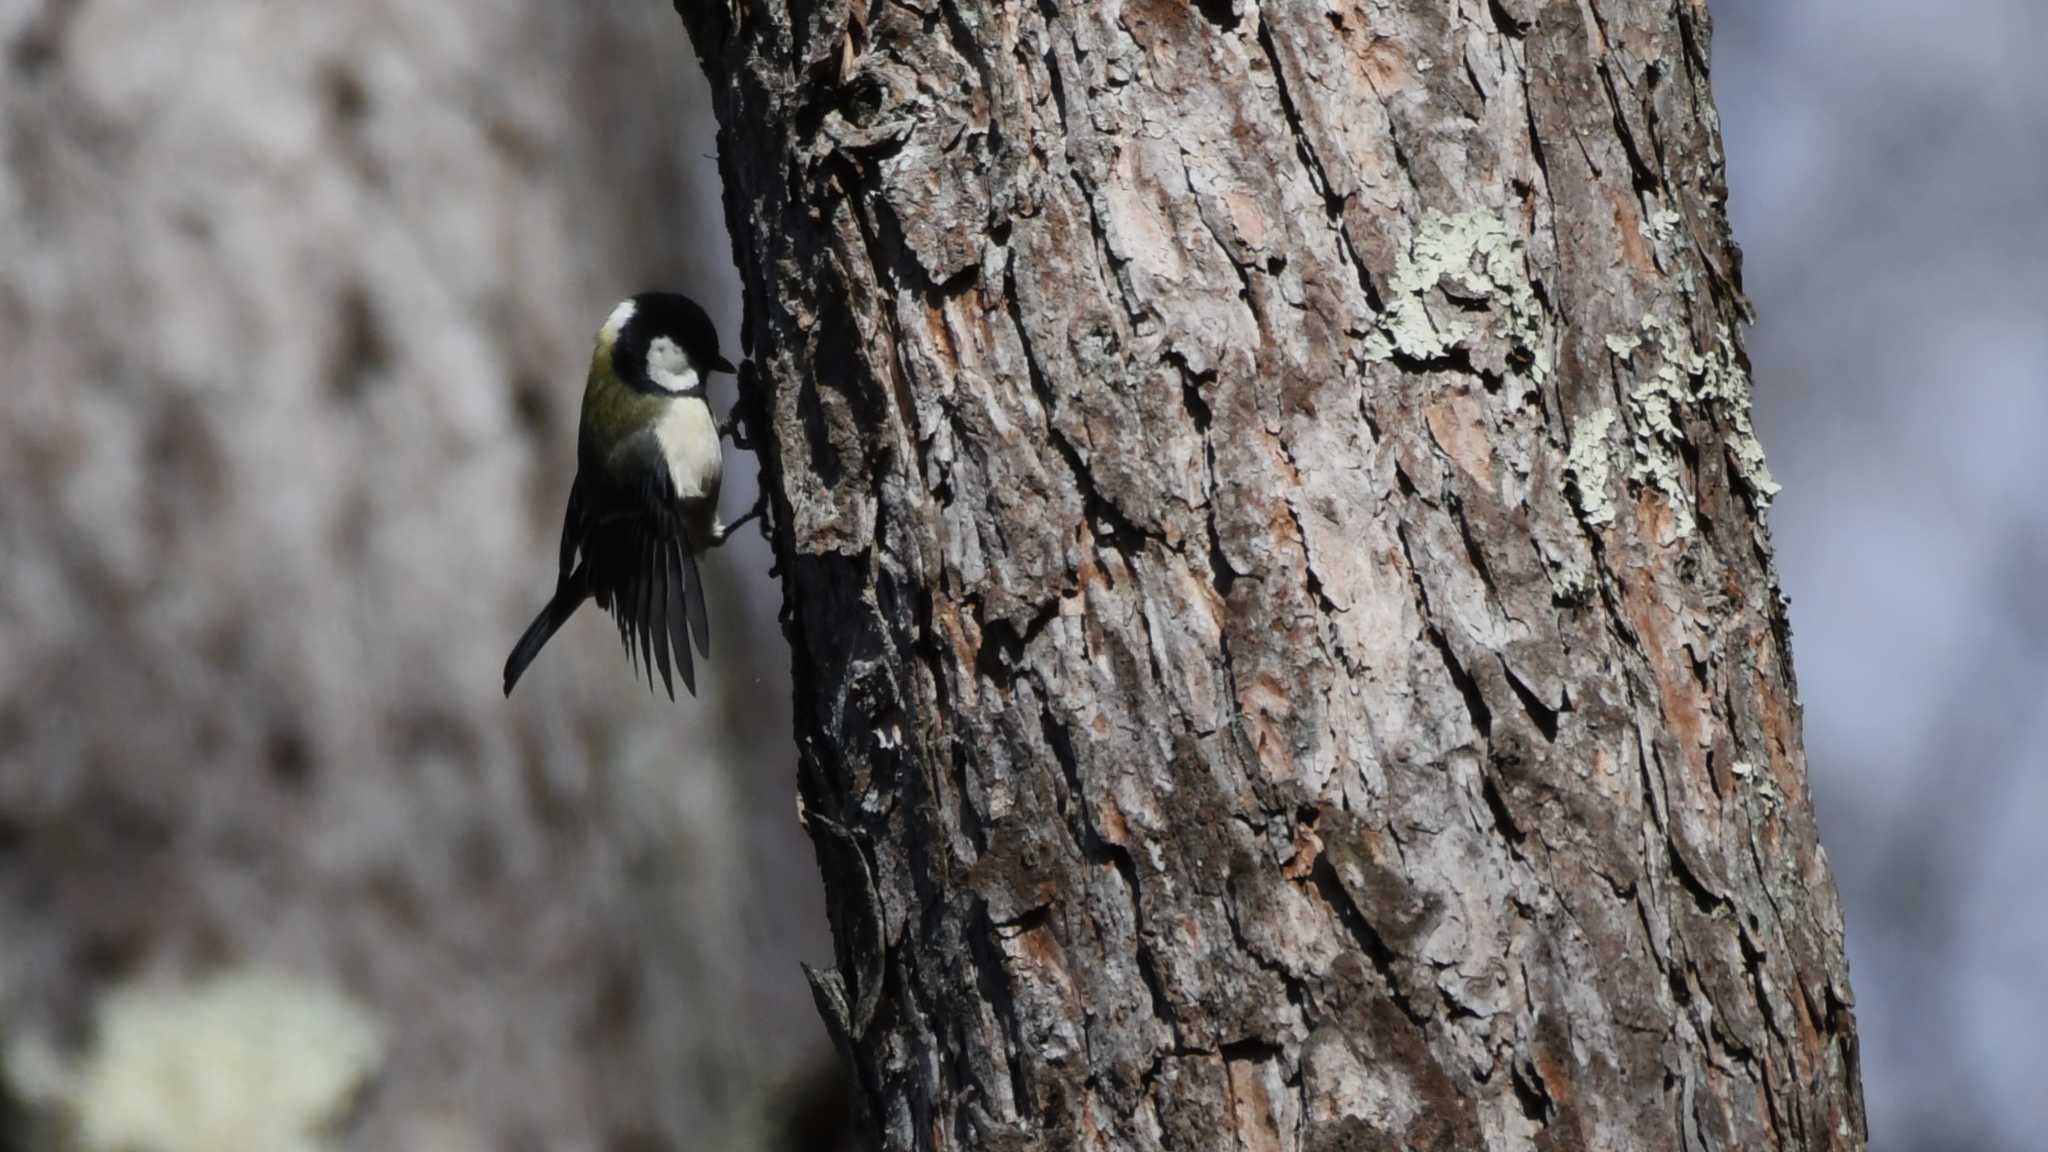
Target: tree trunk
pixel 1273 550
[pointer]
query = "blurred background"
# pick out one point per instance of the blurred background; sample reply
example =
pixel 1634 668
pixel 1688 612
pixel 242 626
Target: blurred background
pixel 294 304
pixel 295 301
pixel 1888 172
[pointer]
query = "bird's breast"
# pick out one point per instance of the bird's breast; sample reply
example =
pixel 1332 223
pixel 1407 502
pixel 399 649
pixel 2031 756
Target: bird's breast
pixel 688 435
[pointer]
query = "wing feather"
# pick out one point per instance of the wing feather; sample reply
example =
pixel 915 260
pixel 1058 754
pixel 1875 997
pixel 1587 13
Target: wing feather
pixel 643 601
pixel 678 618
pixel 693 594
pixel 659 611
pixel 622 599
pixel 649 567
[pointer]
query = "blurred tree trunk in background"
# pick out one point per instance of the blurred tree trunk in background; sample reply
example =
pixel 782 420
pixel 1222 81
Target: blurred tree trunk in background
pixel 295 302
pixel 1285 633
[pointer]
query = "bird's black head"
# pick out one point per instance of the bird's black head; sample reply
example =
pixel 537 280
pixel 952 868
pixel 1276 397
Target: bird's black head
pixel 666 341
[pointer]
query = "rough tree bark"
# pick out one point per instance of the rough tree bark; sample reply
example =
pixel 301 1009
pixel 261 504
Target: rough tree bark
pixel 1286 643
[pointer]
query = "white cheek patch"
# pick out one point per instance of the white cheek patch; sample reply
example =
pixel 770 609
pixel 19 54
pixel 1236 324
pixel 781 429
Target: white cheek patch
pixel 668 368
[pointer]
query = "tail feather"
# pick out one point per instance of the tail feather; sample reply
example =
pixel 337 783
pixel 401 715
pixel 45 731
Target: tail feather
pixel 645 575
pixel 566 600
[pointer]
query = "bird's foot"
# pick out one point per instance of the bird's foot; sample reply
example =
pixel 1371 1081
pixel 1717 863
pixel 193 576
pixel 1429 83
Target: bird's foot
pixel 734 428
pixel 723 532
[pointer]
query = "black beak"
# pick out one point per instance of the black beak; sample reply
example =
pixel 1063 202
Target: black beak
pixel 721 364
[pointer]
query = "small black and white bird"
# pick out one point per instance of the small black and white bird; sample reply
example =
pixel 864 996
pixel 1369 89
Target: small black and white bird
pixel 649 461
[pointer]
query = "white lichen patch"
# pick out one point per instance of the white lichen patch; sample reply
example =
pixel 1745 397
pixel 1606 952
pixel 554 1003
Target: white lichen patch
pixel 245 1062
pixel 1586 467
pixel 1674 376
pixel 1726 386
pixel 1472 258
pixel 1748 453
pixel 1759 782
pixel 1654 405
pixel 1720 383
pixel 1660 228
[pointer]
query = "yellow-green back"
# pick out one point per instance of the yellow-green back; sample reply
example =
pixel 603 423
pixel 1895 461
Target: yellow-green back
pixel 612 410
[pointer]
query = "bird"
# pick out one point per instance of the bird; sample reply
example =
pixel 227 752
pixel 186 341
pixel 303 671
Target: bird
pixel 644 505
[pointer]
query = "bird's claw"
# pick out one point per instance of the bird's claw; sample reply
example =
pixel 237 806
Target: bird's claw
pixel 734 428
pixel 723 532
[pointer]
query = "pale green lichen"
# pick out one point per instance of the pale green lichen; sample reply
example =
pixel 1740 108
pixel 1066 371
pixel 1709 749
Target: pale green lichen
pixel 1654 403
pixel 1663 228
pixel 1727 386
pixel 1759 782
pixel 1748 453
pixel 1678 375
pixel 1721 384
pixel 245 1062
pixel 1586 467
pixel 1660 228
pixel 1471 256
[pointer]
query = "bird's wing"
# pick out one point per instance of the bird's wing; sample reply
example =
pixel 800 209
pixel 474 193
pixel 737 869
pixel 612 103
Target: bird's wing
pixel 686 600
pixel 693 593
pixel 641 460
pixel 674 560
pixel 575 529
pixel 659 602
pixel 648 555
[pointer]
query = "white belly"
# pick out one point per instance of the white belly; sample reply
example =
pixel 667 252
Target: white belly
pixel 689 441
